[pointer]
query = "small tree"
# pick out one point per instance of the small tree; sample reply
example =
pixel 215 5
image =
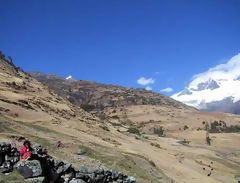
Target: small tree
pixel 208 139
pixel 206 126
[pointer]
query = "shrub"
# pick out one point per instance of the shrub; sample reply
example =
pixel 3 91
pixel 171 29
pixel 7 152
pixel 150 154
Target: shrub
pixel 152 163
pixel 87 107
pixel 133 130
pixel 184 142
pixel 104 128
pixel 185 127
pixel 220 126
pixel 159 131
pixel 115 117
pixel 155 145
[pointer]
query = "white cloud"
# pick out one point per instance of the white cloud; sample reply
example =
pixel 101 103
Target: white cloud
pixel 149 88
pixel 167 90
pixel 145 81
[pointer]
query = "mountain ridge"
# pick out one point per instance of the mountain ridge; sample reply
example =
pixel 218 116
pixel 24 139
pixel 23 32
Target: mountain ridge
pixel 98 95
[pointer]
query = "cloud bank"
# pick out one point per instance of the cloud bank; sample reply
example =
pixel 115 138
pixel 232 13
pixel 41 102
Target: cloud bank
pixel 145 81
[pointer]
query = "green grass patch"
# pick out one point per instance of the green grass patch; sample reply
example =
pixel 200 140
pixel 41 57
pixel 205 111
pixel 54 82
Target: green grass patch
pixel 123 163
pixel 13 177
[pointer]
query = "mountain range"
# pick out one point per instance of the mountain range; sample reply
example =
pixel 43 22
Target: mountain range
pixel 144 134
pixel 216 89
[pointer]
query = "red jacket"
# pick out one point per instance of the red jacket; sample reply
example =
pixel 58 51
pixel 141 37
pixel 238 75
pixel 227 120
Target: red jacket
pixel 25 153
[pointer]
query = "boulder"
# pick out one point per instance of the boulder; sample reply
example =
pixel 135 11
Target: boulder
pixel 35 180
pixel 29 169
pixel 6 167
pixel 131 179
pixel 77 181
pixel 64 167
pixel 9 155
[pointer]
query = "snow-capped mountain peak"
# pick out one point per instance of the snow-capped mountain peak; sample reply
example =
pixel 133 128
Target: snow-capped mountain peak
pixel 218 84
pixel 69 77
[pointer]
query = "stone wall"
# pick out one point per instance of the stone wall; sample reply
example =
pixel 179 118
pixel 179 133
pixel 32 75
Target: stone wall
pixel 42 168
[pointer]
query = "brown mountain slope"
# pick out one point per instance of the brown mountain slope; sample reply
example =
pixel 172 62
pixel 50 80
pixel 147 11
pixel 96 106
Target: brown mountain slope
pixel 30 109
pixel 21 95
pixel 143 112
pixel 97 97
pixel 140 108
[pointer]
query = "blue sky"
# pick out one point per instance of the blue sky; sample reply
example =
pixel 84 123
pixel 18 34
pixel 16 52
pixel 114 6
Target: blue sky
pixel 121 41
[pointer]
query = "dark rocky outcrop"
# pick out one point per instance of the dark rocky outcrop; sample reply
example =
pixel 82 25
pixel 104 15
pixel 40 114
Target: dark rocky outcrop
pixel 29 169
pixel 42 168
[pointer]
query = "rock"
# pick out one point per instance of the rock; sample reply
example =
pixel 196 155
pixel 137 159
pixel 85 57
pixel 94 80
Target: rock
pixel 2 159
pixel 45 168
pixel 29 169
pixel 82 152
pixel 64 168
pixel 39 151
pixel 131 179
pixel 35 180
pixel 6 167
pixel 67 177
pixel 77 181
pixel 82 176
pixel 8 157
pixel 87 169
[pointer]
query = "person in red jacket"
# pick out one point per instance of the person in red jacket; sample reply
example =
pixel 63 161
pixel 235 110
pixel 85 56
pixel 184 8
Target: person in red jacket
pixel 26 150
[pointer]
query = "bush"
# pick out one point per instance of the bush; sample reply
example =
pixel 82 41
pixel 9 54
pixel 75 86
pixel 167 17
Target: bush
pixel 87 107
pixel 184 142
pixel 220 126
pixel 104 128
pixel 159 131
pixel 185 127
pixel 115 117
pixel 155 145
pixel 133 130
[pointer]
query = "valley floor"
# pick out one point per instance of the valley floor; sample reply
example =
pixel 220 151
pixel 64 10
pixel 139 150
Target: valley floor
pixel 149 158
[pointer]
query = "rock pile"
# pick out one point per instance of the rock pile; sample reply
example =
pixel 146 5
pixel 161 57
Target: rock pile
pixel 42 168
pixel 9 156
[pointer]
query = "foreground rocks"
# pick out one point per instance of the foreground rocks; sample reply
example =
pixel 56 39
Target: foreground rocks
pixel 9 156
pixel 45 169
pixel 29 169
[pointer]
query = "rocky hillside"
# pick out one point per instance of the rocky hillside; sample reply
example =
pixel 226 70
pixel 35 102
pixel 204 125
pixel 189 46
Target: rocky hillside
pixel 23 96
pixel 94 96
